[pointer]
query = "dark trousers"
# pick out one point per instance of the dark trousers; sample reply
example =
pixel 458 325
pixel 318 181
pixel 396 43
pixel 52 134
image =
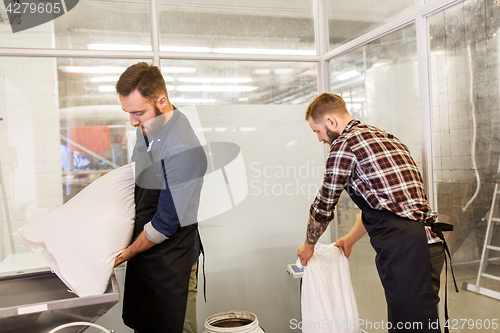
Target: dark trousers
pixel 436 256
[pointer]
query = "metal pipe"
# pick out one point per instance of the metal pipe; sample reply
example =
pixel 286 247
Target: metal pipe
pixel 80 323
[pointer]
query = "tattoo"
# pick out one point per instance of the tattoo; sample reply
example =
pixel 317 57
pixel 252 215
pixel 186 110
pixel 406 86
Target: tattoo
pixel 314 231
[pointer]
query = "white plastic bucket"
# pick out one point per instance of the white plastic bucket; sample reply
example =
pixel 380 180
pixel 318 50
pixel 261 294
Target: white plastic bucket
pixel 232 321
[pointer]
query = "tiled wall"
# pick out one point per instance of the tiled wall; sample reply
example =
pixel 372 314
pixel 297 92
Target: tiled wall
pixel 464 72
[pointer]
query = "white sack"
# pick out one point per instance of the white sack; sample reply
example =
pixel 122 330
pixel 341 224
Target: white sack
pixel 328 302
pixel 81 239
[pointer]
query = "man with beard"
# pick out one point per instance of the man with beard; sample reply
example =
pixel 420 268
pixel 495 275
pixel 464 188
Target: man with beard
pixel 381 177
pixel 160 281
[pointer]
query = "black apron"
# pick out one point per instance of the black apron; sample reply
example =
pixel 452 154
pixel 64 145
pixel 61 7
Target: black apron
pixel 157 280
pixel 403 265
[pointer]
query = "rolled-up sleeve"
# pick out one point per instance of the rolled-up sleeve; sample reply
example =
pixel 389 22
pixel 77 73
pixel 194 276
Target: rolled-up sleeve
pixel 339 169
pixel 153 235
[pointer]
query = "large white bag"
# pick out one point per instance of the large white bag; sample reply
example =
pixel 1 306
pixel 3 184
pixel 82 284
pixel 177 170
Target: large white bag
pixel 328 302
pixel 81 239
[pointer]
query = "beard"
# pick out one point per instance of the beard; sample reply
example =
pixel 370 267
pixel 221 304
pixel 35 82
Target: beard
pixel 152 126
pixel 157 111
pixel 332 136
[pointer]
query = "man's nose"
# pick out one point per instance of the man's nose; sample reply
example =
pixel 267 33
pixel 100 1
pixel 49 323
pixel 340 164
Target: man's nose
pixel 133 121
pixel 320 139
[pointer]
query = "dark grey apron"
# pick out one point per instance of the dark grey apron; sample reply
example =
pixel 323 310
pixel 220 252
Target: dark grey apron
pixel 403 265
pixel 157 280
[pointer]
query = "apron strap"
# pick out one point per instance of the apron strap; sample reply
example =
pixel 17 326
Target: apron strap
pixel 203 268
pixel 438 228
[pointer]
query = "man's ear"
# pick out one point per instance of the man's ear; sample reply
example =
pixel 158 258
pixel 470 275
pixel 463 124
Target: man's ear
pixel 161 102
pixel 331 122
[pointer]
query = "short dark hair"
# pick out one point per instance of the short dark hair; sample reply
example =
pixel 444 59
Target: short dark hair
pixel 326 103
pixel 144 77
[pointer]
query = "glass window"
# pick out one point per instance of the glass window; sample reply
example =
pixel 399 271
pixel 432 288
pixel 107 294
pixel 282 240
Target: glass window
pixel 105 25
pixel 465 108
pixel 237 26
pixel 379 82
pixel 95 132
pixel 62 128
pixel 30 154
pixel 239 82
pixel 91 24
pixel 282 165
pixel 350 19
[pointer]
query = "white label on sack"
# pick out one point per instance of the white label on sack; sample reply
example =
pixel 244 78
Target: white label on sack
pixel 32 309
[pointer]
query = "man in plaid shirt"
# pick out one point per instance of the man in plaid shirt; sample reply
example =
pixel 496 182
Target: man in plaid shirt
pixel 381 177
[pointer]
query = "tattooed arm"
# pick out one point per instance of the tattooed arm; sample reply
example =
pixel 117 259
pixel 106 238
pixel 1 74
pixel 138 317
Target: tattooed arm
pixel 339 167
pixel 314 231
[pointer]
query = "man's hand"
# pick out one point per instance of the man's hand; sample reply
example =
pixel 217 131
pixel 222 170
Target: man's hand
pixel 305 253
pixel 121 258
pixel 141 244
pixel 345 244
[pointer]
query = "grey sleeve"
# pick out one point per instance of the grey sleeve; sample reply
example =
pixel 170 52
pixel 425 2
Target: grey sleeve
pixel 154 235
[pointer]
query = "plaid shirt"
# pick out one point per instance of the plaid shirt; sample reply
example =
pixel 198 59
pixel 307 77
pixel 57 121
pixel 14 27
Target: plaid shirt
pixel 379 167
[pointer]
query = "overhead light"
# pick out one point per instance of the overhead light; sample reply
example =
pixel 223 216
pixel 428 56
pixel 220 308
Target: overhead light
pixel 184 49
pixel 217 88
pixel 355 99
pixel 104 79
pixel 119 47
pixel 291 143
pixel 204 129
pixel 93 69
pixel 243 99
pixel 115 79
pixel 178 70
pixel 247 129
pixel 215 80
pixel 184 101
pixel 107 89
pixel 282 71
pixel 349 92
pixel 220 129
pixel 279 71
pixel 262 71
pixel 348 75
pixel 264 51
pixel 354 106
pixel 112 88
